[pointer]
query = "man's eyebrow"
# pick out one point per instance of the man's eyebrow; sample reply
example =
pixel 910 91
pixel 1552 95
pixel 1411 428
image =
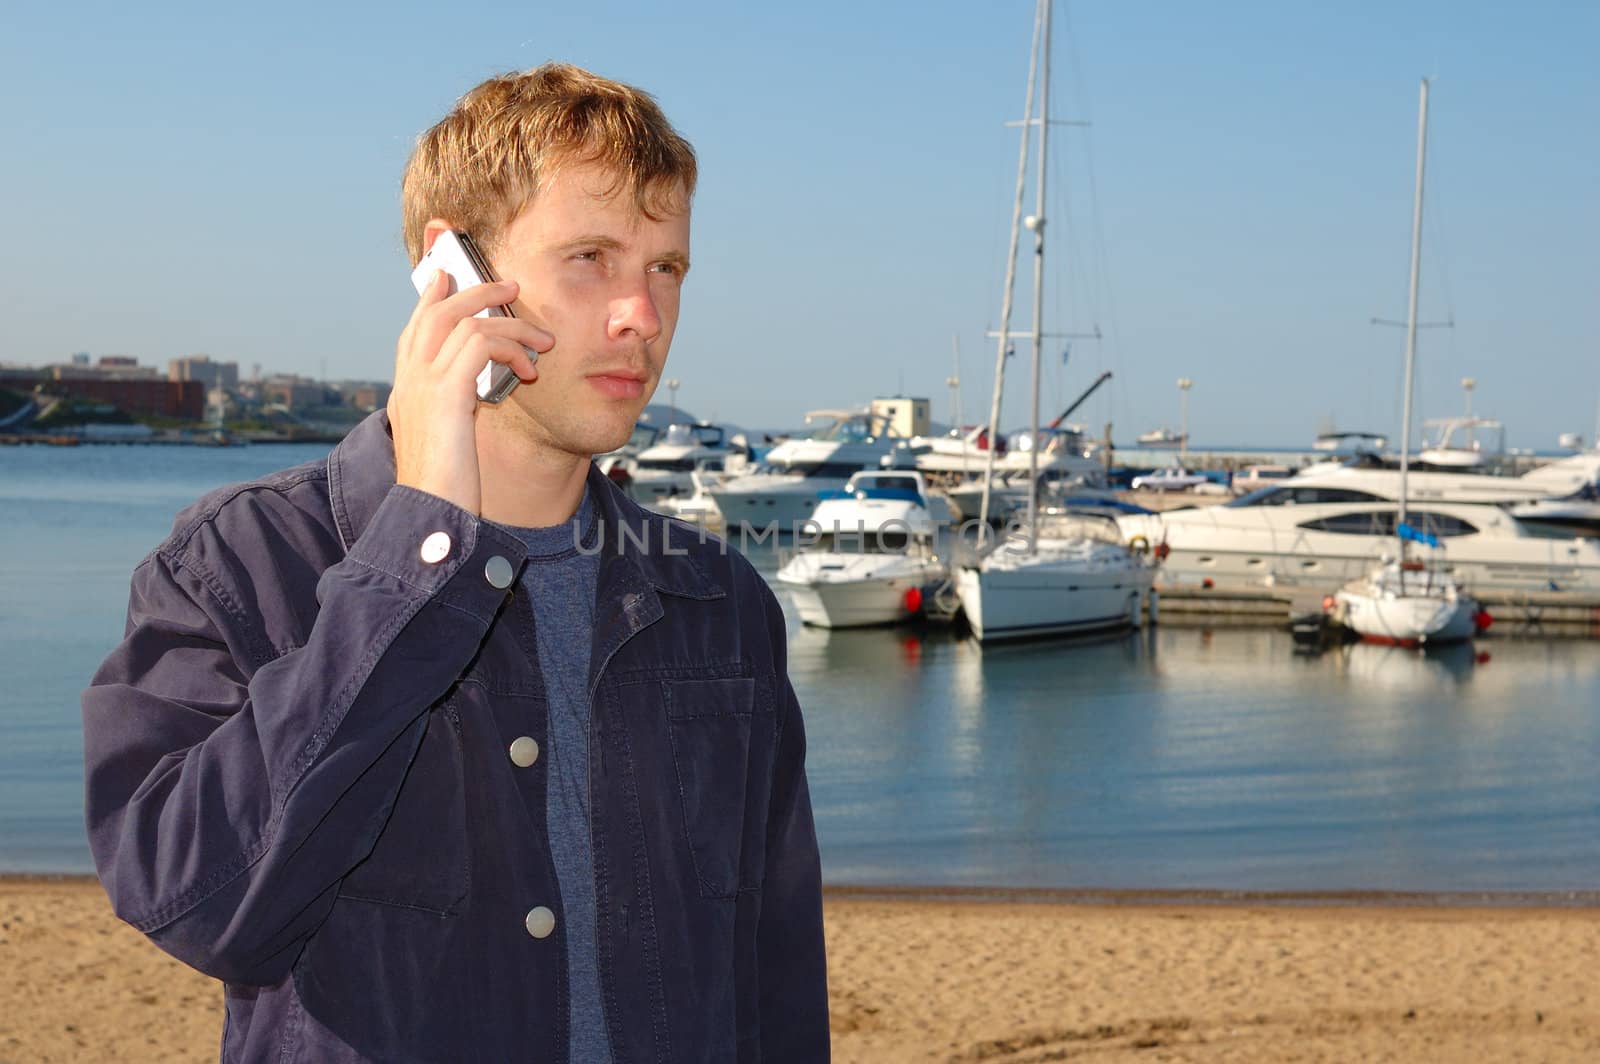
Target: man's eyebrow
pixel 604 243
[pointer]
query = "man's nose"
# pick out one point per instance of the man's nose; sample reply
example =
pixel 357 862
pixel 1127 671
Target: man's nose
pixel 634 312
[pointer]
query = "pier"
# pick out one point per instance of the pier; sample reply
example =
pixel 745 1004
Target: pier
pixel 1520 613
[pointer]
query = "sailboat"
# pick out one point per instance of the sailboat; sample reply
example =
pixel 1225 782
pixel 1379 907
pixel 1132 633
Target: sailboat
pixel 1046 579
pixel 1406 600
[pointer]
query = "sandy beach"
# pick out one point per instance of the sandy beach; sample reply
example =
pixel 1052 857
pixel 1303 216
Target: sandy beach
pixel 926 979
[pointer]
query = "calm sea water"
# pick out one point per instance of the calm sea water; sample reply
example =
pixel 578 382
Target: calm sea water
pixel 1185 758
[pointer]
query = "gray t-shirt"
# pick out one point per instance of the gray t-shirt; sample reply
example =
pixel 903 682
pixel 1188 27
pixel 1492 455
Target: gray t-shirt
pixel 560 579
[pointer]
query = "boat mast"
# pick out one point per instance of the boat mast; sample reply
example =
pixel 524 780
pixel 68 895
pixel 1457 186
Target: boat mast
pixel 1036 224
pixel 1011 277
pixel 1411 316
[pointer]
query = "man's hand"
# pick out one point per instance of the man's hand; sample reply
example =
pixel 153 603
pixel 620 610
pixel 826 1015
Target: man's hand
pixel 435 399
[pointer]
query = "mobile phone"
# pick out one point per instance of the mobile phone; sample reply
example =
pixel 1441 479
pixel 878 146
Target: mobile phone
pixel 455 253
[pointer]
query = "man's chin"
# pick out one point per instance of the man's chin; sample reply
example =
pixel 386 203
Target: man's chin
pixel 583 431
pixel 599 434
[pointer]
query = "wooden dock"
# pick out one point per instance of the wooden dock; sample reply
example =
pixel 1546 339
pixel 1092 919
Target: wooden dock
pixel 1515 613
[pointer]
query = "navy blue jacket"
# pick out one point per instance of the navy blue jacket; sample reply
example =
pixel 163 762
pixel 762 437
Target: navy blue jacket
pixel 298 781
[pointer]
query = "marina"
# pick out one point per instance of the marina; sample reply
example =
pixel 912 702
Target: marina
pixel 1202 752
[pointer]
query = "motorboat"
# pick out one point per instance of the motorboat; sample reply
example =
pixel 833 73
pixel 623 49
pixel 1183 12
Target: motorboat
pixel 872 558
pixel 663 469
pixel 1009 491
pixel 1048 575
pixel 1162 437
pixel 1321 537
pixel 1463 443
pixel 1366 483
pixel 618 464
pixel 1349 441
pixel 1064 453
pixel 783 489
pixel 697 506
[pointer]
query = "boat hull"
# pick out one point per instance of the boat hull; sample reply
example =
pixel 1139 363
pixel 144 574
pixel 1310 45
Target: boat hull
pixel 1241 546
pixel 1035 601
pixel 649 488
pixel 782 509
pixel 832 591
pixel 1408 620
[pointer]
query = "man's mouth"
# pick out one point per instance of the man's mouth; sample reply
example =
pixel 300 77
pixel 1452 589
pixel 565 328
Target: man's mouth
pixel 618 383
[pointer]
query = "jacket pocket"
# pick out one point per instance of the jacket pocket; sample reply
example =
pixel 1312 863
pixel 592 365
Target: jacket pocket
pixel 722 750
pixel 420 858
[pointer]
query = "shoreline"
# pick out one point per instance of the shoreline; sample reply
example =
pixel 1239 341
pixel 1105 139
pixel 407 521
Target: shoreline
pixel 1008 976
pixel 1125 897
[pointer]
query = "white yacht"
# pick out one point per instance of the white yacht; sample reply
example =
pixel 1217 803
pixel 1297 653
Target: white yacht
pixel 1556 480
pixel 1060 473
pixel 1405 599
pixel 1464 443
pixel 1162 437
pixel 697 506
pixel 874 560
pixel 1321 537
pixel 1064 454
pixel 663 469
pixel 1071 581
pixel 1050 576
pixel 785 486
pixel 618 464
pixel 1368 442
pixel 1410 603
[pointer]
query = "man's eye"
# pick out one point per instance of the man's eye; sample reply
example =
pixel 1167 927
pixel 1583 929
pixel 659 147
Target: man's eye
pixel 670 268
pixel 587 256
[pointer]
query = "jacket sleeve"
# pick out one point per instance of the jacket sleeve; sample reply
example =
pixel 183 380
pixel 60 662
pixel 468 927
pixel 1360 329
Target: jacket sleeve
pixel 230 786
pixel 792 961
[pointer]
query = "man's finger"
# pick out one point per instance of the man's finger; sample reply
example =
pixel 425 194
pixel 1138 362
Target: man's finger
pixel 437 318
pixel 521 330
pixel 465 354
pixel 469 301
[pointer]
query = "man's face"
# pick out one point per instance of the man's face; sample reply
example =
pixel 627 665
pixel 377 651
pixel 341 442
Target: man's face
pixel 604 280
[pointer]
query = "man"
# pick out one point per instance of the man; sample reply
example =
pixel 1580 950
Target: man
pixel 443 749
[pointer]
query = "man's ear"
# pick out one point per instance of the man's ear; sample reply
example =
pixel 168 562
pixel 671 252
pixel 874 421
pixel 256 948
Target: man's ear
pixel 431 231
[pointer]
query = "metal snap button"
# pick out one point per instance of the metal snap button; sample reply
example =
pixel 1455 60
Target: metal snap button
pixel 498 572
pixel 540 922
pixel 436 548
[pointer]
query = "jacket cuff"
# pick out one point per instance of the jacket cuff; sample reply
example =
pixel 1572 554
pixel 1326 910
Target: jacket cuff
pixel 441 550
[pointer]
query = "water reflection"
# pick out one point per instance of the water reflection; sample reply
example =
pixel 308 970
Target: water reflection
pixel 1441 669
pixel 1190 757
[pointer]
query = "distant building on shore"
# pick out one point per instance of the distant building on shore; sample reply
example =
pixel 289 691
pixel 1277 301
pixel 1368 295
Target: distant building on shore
pixel 114 379
pixel 293 392
pixel 368 396
pixel 107 368
pixel 209 373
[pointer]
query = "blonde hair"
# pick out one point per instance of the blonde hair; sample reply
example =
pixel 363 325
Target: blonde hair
pixel 487 159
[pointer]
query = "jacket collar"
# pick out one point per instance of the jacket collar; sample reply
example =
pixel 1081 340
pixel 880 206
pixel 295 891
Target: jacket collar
pixel 667 555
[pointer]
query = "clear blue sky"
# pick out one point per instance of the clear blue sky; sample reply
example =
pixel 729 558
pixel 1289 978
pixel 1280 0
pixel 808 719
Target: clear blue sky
pixel 184 179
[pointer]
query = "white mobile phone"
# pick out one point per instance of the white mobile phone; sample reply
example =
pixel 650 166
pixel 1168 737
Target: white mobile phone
pixel 455 253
